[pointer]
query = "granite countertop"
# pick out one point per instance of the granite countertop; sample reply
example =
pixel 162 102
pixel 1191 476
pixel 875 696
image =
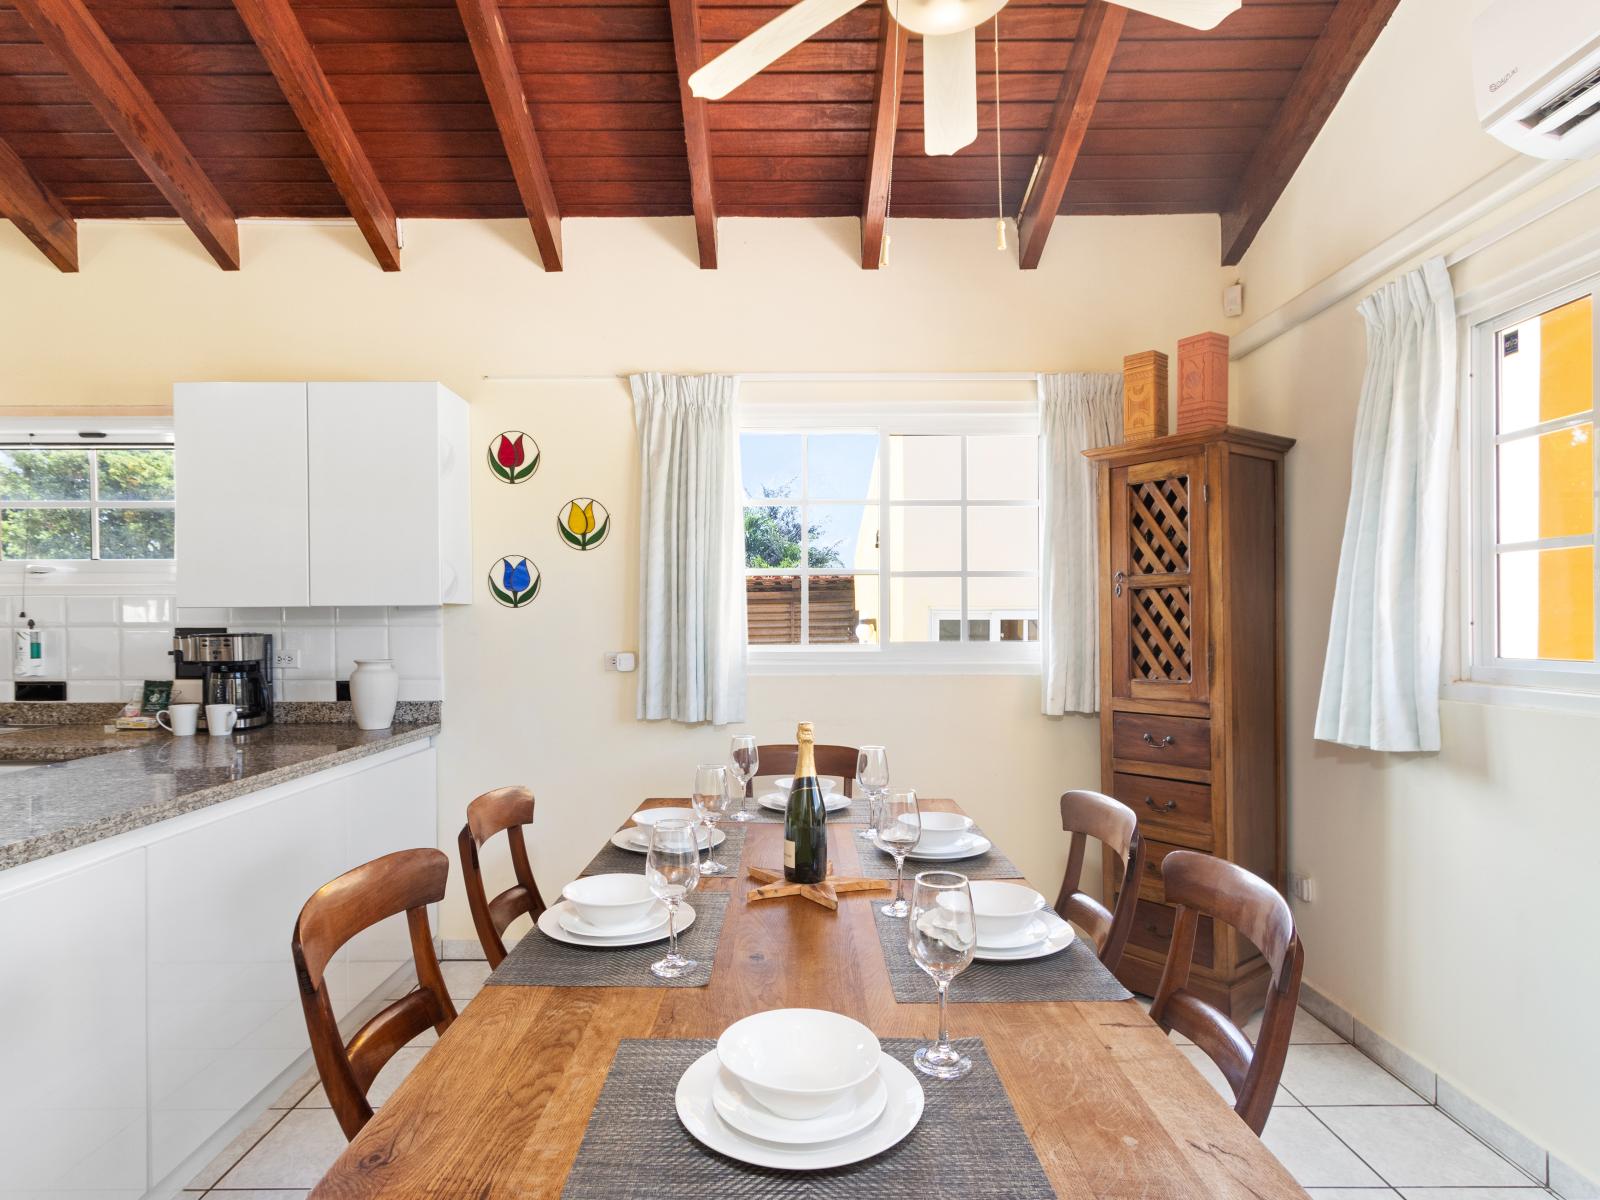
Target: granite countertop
pixel 100 784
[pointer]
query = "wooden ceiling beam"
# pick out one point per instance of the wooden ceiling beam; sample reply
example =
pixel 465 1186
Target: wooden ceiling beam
pixel 696 132
pixel 1350 34
pixel 1099 31
pixel 283 43
pixel 497 66
pixel 76 40
pixel 892 45
pixel 37 211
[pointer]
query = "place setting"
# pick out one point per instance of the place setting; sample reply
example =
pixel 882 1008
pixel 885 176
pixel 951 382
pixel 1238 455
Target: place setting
pixel 716 797
pixel 901 829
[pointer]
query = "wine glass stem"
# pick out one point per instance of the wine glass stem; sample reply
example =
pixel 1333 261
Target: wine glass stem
pixel 944 1029
pixel 899 875
pixel 672 934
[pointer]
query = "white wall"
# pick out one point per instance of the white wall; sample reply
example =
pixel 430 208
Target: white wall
pixel 1454 910
pixel 528 699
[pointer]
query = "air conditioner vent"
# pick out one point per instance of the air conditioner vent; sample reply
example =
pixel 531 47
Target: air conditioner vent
pixel 1565 112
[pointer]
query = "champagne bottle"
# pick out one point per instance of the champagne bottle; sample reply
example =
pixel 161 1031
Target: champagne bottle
pixel 805 821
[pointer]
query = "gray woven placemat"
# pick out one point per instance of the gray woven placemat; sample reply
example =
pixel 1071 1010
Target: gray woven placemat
pixel 876 864
pixel 539 961
pixel 1074 974
pixel 613 860
pixel 969 1142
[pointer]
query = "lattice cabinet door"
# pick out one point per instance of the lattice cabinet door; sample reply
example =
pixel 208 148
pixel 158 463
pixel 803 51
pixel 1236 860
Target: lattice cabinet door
pixel 1158 579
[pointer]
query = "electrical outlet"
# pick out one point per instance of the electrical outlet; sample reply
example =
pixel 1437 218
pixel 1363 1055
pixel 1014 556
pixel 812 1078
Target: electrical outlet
pixel 1302 887
pixel 286 660
pixel 621 660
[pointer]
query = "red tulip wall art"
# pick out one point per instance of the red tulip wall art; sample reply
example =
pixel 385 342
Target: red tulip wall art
pixel 513 456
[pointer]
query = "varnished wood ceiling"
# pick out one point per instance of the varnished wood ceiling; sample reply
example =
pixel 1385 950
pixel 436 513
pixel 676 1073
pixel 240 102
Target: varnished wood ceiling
pixel 392 113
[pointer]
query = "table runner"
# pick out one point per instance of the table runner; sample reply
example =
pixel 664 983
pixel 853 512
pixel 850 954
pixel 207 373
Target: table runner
pixel 613 860
pixel 876 864
pixel 969 1143
pixel 539 961
pixel 1074 974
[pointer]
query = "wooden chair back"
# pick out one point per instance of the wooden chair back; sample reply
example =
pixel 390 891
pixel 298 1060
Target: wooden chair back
pixel 1115 826
pixel 1200 884
pixel 831 760
pixel 404 882
pixel 506 810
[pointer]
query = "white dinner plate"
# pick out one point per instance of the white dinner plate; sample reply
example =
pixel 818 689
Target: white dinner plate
pixel 655 919
pixel 1057 940
pixel 1037 930
pixel 970 846
pixel 779 801
pixel 550 925
pixel 901 1113
pixel 735 1106
pixel 628 839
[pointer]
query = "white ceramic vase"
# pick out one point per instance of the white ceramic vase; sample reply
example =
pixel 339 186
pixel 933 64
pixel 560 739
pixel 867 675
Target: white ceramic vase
pixel 374 692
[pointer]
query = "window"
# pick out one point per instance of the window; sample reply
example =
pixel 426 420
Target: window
pixel 86 502
pixel 904 536
pixel 1535 582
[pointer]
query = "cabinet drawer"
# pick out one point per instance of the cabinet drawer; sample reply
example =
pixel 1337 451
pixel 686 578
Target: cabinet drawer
pixel 1152 931
pixel 1173 741
pixel 1168 808
pixel 1151 886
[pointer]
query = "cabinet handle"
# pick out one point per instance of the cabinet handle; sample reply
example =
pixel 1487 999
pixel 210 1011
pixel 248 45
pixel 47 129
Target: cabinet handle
pixel 1116 583
pixel 1167 807
pixel 1160 743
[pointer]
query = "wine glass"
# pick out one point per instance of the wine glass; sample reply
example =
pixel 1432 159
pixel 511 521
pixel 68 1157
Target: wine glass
pixel 872 781
pixel 746 761
pixel 941 934
pixel 672 865
pixel 898 823
pixel 712 800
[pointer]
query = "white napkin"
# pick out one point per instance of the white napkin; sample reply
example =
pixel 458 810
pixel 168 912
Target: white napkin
pixel 941 925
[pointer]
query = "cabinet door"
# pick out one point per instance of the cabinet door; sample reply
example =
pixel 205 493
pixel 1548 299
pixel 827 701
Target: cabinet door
pixel 242 495
pixel 1158 580
pixel 375 467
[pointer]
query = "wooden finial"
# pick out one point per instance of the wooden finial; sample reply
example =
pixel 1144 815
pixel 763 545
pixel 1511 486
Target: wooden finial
pixel 1144 396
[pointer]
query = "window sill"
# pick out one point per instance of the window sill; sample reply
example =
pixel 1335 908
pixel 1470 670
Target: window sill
pixel 1511 695
pixel 877 662
pixel 71 575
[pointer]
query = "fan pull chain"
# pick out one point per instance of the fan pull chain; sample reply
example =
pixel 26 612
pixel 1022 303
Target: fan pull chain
pixel 999 183
pixel 888 188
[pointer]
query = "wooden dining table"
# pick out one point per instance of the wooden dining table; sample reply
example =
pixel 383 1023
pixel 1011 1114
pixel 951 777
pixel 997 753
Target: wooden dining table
pixel 499 1106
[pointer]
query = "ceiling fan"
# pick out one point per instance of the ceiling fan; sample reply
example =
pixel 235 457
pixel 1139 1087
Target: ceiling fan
pixel 949 52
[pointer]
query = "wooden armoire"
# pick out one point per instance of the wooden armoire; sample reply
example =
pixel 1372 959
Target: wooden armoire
pixel 1191 677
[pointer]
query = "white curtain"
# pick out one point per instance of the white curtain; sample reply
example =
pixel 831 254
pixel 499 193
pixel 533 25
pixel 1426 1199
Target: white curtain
pixel 691 550
pixel 1077 412
pixel 1380 683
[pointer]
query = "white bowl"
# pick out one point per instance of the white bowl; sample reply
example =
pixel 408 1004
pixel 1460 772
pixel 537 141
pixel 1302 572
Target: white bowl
pixel 942 830
pixel 784 782
pixel 1003 910
pixel 607 901
pixel 799 1062
pixel 654 816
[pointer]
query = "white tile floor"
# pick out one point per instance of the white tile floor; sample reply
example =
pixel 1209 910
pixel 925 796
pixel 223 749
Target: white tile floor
pixel 1346 1128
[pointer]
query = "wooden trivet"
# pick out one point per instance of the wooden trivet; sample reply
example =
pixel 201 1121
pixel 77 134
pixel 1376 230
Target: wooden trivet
pixel 825 893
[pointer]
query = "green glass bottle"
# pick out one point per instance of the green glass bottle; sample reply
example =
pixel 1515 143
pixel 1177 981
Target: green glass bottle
pixel 805 821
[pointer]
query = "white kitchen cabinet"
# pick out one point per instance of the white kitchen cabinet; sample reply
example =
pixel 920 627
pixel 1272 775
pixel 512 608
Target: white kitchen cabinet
pixel 297 494
pixel 243 495
pixel 388 472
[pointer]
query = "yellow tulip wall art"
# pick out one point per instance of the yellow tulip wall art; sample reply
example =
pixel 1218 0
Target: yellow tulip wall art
pixel 583 523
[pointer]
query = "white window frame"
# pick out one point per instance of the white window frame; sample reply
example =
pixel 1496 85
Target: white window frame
pixel 887 420
pixel 157 575
pixel 995 617
pixel 1484 675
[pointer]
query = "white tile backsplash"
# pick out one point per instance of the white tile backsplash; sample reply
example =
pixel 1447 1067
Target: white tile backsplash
pixel 352 642
pixel 314 644
pixel 93 652
pixel 91 610
pixel 146 610
pixel 308 616
pixel 417 650
pixel 46 610
pixel 146 653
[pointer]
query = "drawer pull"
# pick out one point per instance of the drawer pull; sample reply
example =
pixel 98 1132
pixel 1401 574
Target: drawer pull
pixel 1161 743
pixel 1167 807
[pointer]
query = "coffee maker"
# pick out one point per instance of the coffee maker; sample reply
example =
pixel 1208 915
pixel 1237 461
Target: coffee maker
pixel 237 670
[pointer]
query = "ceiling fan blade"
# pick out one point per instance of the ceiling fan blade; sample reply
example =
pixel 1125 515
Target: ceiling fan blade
pixel 766 45
pixel 1197 14
pixel 949 92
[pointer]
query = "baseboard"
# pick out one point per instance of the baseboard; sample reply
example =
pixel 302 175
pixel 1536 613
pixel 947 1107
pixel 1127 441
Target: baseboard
pixel 1516 1147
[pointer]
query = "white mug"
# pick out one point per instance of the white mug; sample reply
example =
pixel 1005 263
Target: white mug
pixel 221 718
pixel 184 718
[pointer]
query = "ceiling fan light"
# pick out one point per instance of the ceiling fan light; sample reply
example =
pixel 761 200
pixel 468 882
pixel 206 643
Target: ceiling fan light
pixel 933 18
pixel 1196 14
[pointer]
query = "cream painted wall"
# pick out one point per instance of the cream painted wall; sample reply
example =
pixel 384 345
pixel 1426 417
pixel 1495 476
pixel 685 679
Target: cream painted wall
pixel 1454 900
pixel 527 698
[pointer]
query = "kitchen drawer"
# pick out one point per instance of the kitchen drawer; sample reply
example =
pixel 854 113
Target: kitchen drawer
pixel 1171 809
pixel 1170 741
pixel 1150 885
pixel 1152 931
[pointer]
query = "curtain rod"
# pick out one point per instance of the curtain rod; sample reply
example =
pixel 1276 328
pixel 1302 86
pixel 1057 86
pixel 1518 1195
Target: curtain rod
pixel 808 377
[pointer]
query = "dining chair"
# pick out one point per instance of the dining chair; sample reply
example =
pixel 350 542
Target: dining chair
pixel 406 881
pixel 1200 884
pixel 1115 826
pixel 505 809
pixel 831 760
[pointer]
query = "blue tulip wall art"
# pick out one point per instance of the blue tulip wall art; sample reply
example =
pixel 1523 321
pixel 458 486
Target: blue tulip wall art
pixel 514 581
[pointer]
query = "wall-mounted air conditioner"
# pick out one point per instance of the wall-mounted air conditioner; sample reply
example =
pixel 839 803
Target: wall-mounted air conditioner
pixel 1536 73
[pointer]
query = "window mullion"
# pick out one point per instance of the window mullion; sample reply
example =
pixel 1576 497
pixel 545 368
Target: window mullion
pixel 805 540
pixel 966 619
pixel 94 505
